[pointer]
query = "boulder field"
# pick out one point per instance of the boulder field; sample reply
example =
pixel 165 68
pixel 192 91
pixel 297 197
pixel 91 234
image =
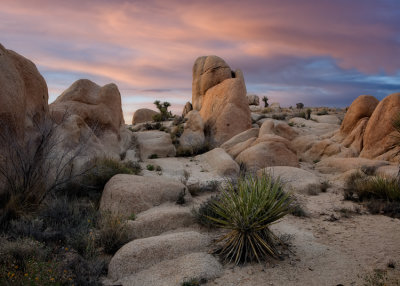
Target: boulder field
pixel 167 245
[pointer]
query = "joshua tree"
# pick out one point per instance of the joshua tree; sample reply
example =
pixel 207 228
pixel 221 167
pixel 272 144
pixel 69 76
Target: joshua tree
pixel 299 105
pixel 164 113
pixel 265 99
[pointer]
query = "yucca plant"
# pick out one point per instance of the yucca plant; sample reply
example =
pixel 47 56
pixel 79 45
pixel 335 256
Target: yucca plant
pixel 247 208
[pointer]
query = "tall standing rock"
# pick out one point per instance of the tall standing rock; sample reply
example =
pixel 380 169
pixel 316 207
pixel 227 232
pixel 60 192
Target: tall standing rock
pixel 207 72
pixel 380 136
pixel 220 96
pixel 23 93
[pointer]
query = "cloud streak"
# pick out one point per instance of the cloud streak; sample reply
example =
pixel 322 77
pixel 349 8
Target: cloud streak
pixel 316 51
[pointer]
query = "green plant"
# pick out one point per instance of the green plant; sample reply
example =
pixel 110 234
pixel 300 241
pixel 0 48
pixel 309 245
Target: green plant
pixel 297 210
pixel 181 198
pixel 132 216
pixel 206 211
pixel 246 209
pixel 150 167
pixel 164 113
pixel 291 124
pixel 308 116
pixel 281 116
pixel 112 232
pixel 153 156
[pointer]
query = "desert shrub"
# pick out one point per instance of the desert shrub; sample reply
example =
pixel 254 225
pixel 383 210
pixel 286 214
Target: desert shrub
pixel 150 167
pixel 298 210
pixel 181 198
pixel 299 105
pixel 300 114
pixel 280 116
pixel 193 282
pixel 246 209
pixel 153 156
pixel 381 194
pixel 308 115
pixel 291 124
pixel 112 233
pixel 197 189
pixel 102 170
pixel 32 169
pixel 322 112
pixel 207 211
pixel 153 126
pixel 164 113
pixel 192 151
pixel 266 110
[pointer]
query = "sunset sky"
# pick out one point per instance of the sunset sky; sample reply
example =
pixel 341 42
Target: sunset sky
pixel 319 52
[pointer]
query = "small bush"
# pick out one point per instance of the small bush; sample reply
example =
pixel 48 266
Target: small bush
pixel 299 105
pixel 266 110
pixel 298 211
pixel 322 112
pixel 281 116
pixel 206 211
pixel 112 233
pixel 197 189
pixel 153 156
pixel 247 209
pixel 150 167
pixel 382 194
pixel 192 151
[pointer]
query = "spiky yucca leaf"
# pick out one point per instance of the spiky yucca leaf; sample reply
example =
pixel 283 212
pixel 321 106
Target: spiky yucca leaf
pixel 247 208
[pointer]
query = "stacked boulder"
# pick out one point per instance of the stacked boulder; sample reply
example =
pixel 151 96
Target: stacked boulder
pixel 219 95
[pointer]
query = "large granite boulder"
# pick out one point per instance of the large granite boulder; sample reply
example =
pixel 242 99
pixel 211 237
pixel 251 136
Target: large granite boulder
pixel 143 115
pixel 380 136
pixel 23 93
pixel 208 71
pixel 131 194
pixel 219 94
pixel 154 143
pixel 363 106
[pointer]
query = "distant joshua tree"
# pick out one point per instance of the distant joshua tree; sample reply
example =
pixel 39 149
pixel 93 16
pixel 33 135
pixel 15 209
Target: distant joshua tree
pixel 299 105
pixel 265 99
pixel 164 113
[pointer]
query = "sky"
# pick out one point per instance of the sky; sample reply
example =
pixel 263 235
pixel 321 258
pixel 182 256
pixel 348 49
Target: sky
pixel 319 52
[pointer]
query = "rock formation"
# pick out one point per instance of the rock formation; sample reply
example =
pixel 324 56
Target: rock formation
pixel 253 99
pixel 143 115
pixel 380 136
pixel 219 94
pixel 23 93
pixel 192 137
pixel 187 108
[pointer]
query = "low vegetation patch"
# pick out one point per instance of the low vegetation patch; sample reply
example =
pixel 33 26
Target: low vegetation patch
pixel 381 195
pixel 246 209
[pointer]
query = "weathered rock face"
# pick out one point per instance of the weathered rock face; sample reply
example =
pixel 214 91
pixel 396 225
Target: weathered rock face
pixel 143 115
pixel 99 107
pixel 282 129
pixel 379 135
pixel 225 110
pixel 23 93
pixel 218 161
pixel 362 106
pixel 219 94
pixel 187 108
pixel 141 254
pixel 193 135
pixel 155 143
pixel 127 194
pixel 253 99
pixel 270 150
pixel 208 71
